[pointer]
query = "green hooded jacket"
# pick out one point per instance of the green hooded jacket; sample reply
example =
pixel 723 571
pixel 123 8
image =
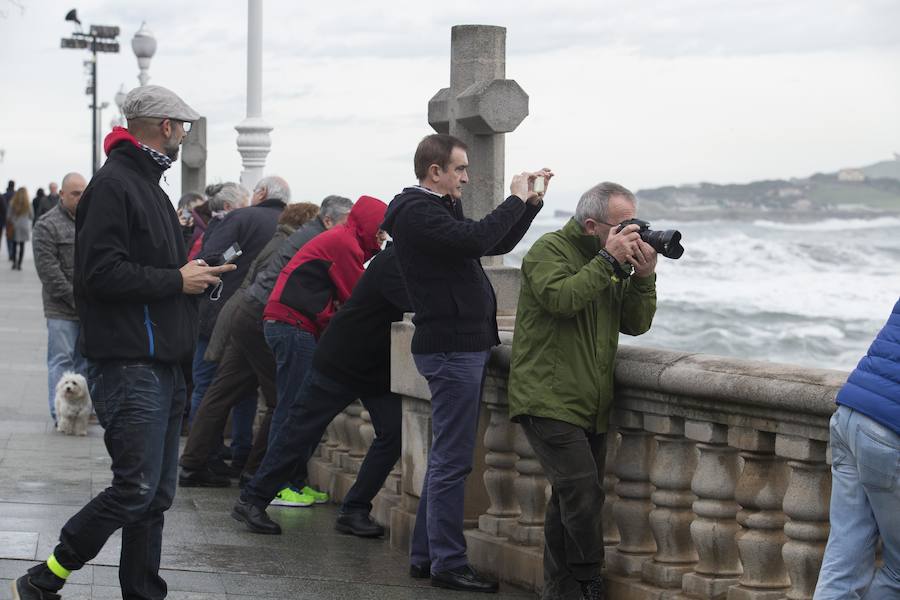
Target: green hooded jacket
pixel 568 321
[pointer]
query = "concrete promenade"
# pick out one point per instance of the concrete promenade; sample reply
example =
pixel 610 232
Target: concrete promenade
pixel 45 477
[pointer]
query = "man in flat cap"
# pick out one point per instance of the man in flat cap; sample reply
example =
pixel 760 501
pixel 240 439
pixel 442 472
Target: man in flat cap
pixel 135 293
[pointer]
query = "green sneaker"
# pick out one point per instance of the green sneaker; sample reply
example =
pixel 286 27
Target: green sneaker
pixel 320 497
pixel 289 497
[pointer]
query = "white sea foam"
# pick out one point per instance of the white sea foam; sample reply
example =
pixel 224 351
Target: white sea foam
pixel 832 224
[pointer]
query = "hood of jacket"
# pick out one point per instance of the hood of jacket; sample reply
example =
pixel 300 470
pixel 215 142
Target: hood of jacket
pixel 364 221
pixel 117 136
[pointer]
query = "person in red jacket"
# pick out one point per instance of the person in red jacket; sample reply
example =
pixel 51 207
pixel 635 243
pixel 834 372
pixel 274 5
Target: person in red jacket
pixel 309 289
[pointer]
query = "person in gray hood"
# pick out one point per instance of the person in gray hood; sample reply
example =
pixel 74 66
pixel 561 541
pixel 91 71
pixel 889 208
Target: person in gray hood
pixel 54 259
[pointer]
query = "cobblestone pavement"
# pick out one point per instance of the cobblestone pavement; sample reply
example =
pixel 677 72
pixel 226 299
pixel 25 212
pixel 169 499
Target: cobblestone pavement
pixel 45 477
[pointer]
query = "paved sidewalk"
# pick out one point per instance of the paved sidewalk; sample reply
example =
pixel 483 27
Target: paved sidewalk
pixel 45 477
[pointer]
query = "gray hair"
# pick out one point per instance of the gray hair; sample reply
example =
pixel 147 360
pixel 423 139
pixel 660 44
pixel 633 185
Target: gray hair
pixel 335 207
pixel 594 203
pixel 276 188
pixel 233 193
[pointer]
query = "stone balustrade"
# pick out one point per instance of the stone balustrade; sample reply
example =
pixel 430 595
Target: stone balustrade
pixel 717 476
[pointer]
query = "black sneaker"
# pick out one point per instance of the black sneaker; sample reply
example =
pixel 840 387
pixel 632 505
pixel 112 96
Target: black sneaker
pixel 219 467
pixel 420 571
pixel 23 589
pixel 593 589
pixel 202 478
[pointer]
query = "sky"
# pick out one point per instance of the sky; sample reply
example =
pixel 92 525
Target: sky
pixel 639 92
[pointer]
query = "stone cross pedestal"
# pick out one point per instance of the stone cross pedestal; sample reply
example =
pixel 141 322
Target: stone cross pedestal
pixel 479 107
pixel 193 158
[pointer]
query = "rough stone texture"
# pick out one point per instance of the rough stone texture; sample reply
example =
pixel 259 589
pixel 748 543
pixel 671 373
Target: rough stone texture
pixel 479 107
pixel 193 159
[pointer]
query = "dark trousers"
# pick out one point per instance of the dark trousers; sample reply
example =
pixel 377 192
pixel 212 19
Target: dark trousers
pixel 139 405
pixel 17 252
pixel 320 399
pixel 573 460
pixel 247 363
pixel 455 380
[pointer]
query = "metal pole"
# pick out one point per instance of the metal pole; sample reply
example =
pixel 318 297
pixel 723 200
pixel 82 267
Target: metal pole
pixel 95 164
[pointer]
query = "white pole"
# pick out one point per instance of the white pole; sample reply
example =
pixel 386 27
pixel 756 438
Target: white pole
pixel 253 139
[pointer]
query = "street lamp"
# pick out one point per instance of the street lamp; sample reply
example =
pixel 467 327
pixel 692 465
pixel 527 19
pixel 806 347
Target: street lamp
pixel 119 98
pixel 144 45
pixel 100 38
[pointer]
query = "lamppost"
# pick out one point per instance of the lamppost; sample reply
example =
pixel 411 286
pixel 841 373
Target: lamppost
pixel 119 98
pixel 253 140
pixel 100 38
pixel 144 45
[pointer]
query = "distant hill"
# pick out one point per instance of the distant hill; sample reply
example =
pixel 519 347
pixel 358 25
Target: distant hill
pixel 888 169
pixel 852 192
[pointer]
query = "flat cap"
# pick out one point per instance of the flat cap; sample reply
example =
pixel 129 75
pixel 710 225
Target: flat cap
pixel 157 101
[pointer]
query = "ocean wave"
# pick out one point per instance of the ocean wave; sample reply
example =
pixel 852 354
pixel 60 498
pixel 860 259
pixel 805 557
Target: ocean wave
pixel 832 224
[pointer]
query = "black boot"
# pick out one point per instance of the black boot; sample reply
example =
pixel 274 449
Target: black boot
pixel 202 478
pixel 593 589
pixel 358 524
pixel 463 579
pixel 255 518
pixel 24 588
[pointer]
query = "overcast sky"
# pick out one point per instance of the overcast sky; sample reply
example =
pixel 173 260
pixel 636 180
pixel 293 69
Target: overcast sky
pixel 638 92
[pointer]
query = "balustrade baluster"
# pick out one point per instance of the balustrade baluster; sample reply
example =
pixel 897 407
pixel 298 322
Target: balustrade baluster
pixel 532 492
pixel 715 525
pixel 610 531
pixel 806 505
pixel 670 520
pixel 500 475
pixel 632 509
pixel 760 492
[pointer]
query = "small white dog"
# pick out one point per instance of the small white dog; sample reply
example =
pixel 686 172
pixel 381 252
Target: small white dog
pixel 73 404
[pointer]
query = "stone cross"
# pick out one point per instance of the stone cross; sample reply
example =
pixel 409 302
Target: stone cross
pixel 193 158
pixel 479 107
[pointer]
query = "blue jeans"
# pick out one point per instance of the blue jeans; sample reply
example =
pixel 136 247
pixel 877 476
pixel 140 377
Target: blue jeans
pixel 455 380
pixel 865 502
pixel 62 355
pixel 242 414
pixel 293 349
pixel 319 401
pixel 140 406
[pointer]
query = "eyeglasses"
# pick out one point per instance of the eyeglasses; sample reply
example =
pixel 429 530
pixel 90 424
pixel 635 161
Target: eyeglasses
pixel 185 125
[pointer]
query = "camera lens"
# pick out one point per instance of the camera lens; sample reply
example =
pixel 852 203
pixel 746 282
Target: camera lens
pixel 667 243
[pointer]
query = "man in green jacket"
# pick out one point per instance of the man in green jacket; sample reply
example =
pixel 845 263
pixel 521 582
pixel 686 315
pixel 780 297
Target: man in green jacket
pixel 578 292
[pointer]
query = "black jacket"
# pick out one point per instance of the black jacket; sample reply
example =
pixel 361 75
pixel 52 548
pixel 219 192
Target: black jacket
pixel 252 228
pixel 356 346
pixel 439 251
pixel 262 286
pixel 128 249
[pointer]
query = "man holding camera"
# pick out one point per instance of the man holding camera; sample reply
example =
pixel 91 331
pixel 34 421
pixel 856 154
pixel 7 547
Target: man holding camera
pixel 578 293
pixel 135 296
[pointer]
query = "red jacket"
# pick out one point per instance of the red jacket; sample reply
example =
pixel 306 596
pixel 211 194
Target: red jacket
pixel 325 270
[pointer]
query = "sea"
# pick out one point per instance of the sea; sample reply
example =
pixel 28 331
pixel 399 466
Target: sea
pixel 813 294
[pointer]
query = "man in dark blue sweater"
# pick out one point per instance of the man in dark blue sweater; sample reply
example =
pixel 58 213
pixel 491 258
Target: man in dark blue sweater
pixel 865 477
pixel 439 252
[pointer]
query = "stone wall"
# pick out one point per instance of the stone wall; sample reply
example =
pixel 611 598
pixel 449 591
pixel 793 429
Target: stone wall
pixel 717 476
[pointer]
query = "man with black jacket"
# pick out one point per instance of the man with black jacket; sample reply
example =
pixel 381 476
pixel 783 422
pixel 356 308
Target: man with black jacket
pixel 456 326
pixel 135 296
pixel 351 360
pixel 251 227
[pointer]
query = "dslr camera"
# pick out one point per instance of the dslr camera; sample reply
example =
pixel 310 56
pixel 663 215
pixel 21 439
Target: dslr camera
pixel 667 243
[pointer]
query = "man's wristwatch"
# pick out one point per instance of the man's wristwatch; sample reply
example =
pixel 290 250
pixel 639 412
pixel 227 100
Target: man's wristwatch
pixel 620 273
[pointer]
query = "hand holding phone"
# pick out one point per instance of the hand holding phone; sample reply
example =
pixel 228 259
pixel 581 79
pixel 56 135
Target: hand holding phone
pixel 231 254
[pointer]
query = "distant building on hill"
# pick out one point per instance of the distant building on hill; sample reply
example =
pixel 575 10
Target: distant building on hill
pixel 851 175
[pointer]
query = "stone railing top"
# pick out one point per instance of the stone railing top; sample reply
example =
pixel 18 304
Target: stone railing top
pixel 756 395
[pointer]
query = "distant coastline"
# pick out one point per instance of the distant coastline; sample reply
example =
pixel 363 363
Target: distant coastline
pixel 859 193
